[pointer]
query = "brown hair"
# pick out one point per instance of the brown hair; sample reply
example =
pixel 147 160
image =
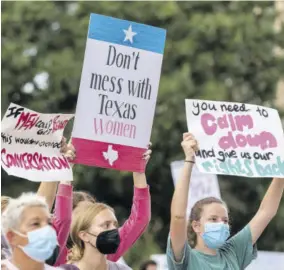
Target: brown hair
pixel 195 215
pixel 80 196
pixel 4 203
pixel 82 219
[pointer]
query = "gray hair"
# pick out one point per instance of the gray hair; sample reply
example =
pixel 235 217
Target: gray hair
pixel 11 217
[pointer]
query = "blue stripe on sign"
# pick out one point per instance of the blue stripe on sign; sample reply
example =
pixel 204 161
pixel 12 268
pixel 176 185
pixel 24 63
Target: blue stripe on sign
pixel 110 29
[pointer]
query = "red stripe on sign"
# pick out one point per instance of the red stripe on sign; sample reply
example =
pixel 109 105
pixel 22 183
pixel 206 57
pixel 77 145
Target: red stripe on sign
pixel 109 155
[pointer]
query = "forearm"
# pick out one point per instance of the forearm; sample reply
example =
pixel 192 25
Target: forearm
pixel 180 197
pixel 139 180
pixel 136 224
pixel 272 198
pixel 267 209
pixel 62 216
pixel 178 212
pixel 48 191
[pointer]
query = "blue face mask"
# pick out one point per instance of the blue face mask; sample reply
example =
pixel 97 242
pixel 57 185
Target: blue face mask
pixel 215 234
pixel 42 243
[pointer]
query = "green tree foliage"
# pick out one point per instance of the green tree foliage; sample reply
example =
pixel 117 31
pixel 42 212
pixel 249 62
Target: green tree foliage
pixel 214 50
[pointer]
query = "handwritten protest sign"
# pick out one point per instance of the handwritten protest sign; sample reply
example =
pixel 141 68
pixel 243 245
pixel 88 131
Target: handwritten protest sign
pixel 118 92
pixel 201 185
pixel 237 139
pixel 31 145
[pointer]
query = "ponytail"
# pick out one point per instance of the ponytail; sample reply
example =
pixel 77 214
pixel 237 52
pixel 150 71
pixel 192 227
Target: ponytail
pixel 75 254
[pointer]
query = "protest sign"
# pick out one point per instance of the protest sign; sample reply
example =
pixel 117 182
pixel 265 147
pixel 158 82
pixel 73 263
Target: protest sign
pixel 237 139
pixel 31 145
pixel 118 92
pixel 201 185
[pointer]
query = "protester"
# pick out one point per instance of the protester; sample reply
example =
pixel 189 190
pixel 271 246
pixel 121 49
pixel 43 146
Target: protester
pixel 94 232
pixel 208 226
pixel 137 222
pixel 25 225
pixel 61 220
pixel 149 265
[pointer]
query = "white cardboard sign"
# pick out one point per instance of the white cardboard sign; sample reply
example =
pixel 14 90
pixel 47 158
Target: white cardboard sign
pixel 31 145
pixel 118 92
pixel 237 139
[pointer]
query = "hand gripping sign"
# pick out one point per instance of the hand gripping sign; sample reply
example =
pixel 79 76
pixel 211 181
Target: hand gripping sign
pixel 118 92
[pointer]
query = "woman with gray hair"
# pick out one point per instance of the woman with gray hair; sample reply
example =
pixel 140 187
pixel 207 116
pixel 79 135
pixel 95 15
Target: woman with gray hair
pixel 26 226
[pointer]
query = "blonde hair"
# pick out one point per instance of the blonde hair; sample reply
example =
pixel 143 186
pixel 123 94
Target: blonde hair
pixel 81 196
pixel 82 219
pixel 11 217
pixel 4 203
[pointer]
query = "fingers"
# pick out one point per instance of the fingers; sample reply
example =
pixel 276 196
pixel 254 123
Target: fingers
pixel 147 153
pixel 67 149
pixel 187 136
pixel 70 155
pixel 71 147
pixel 189 144
pixel 63 147
pixel 63 140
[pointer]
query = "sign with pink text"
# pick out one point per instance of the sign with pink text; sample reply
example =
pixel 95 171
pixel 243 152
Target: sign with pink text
pixel 31 145
pixel 118 93
pixel 236 139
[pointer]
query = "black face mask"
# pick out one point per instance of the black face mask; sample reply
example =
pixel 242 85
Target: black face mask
pixel 107 241
pixel 53 258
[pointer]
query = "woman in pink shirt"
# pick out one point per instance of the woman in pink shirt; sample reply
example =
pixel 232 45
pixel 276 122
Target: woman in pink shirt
pixel 134 226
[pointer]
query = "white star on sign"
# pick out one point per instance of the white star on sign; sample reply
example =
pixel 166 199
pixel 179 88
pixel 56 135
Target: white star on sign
pixel 129 34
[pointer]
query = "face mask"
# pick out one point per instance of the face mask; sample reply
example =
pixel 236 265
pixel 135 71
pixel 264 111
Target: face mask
pixel 107 241
pixel 52 260
pixel 215 234
pixel 42 243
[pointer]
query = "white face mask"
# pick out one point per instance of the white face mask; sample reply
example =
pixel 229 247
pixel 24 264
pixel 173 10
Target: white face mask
pixel 42 243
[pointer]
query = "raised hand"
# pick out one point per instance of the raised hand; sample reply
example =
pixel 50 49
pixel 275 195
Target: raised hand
pixel 67 150
pixel 190 146
pixel 147 154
